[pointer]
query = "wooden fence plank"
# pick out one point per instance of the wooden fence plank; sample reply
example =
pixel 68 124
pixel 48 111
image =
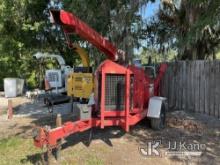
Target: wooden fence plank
pixel 196 64
pixel 201 87
pixel 180 77
pixel 218 89
pixel 175 91
pixel 206 87
pixel 191 87
pixel 170 86
pixel 216 75
pixel 197 85
pixel 184 86
pixel 212 88
pixel 176 85
pixel 187 86
pixel 170 82
pixel 180 85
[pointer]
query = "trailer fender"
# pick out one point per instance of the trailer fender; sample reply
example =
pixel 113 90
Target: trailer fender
pixel 155 106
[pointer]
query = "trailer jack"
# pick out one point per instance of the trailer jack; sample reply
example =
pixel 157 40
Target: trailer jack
pixel 40 136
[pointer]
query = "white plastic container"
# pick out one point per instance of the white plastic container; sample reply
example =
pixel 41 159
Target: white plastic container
pixel 13 87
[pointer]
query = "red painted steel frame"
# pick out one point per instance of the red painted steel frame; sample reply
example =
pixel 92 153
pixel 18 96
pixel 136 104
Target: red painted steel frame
pixel 125 118
pixel 109 67
pixel 50 138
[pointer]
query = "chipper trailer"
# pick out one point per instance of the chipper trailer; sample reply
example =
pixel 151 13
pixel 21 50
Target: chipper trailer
pixel 124 94
pixel 77 82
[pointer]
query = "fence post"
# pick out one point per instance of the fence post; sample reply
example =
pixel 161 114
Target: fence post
pixel 59 143
pixel 58 120
pixel 10 109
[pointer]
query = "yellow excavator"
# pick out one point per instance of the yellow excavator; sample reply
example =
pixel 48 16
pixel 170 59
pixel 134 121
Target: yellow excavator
pixel 80 82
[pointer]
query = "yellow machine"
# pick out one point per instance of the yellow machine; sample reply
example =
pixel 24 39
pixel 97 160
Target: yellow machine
pixel 80 83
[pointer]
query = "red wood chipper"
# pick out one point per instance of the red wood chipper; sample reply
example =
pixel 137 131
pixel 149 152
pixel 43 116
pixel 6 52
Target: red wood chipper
pixel 124 94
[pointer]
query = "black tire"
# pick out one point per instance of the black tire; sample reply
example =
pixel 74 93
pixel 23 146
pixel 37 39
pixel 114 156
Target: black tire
pixel 159 123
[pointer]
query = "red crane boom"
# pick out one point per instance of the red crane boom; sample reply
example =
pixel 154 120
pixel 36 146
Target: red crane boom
pixel 72 24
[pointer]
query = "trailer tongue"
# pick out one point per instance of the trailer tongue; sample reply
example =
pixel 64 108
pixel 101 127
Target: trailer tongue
pixel 124 95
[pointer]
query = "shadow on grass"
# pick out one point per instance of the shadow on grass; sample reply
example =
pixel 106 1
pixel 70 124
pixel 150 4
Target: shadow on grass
pixel 35 159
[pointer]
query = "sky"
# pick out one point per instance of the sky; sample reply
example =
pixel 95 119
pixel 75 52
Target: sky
pixel 149 10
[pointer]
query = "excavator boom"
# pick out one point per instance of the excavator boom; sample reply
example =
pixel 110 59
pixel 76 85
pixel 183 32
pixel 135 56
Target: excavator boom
pixel 71 24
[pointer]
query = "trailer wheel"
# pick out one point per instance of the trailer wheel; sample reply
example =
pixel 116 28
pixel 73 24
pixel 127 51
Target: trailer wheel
pixel 159 123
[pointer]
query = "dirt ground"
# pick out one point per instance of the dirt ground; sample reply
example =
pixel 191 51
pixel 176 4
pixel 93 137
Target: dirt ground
pixel 111 146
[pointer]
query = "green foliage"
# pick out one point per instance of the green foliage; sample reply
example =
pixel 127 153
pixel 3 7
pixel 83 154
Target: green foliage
pixel 118 20
pixel 192 27
pixel 218 55
pixel 156 57
pixel 20 23
pixel 25 29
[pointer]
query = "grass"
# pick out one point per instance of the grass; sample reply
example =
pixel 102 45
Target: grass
pixel 81 155
pixel 19 151
pixel 16 150
pixel 3 111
